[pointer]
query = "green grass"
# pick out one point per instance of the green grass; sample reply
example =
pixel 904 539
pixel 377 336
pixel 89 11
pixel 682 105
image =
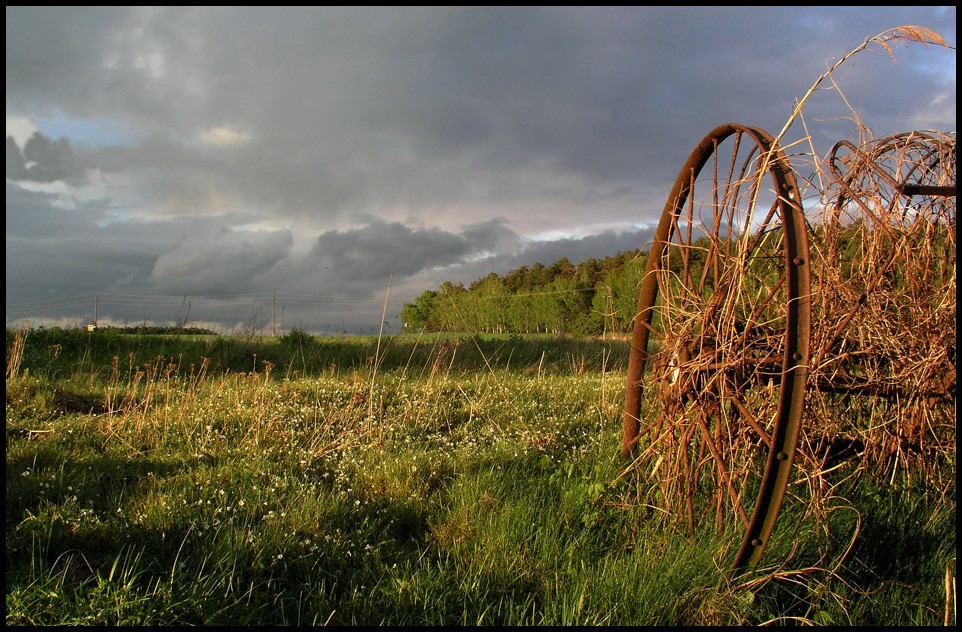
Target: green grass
pixel 406 481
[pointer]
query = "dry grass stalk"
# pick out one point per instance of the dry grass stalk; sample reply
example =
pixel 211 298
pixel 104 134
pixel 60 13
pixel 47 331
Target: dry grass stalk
pixel 15 355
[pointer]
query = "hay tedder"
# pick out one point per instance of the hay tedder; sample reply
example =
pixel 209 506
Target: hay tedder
pixel 780 339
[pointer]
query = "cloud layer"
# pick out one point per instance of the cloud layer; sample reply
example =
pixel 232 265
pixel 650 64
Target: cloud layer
pixel 335 152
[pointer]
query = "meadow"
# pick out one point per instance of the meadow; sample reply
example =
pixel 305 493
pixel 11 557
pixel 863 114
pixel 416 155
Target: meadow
pixel 403 480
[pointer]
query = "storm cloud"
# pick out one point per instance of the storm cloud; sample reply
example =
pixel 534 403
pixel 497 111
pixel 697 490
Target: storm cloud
pixel 334 152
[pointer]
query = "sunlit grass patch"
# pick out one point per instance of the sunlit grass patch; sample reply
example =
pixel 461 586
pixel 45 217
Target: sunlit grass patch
pixel 469 495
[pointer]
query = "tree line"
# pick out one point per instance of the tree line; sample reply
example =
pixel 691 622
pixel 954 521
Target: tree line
pixel 600 296
pixel 593 297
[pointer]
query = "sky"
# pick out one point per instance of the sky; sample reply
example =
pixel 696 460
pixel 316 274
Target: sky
pixel 254 169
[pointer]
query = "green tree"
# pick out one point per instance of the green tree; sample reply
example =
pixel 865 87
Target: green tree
pixel 491 304
pixel 536 278
pixel 448 308
pixel 514 280
pixel 562 268
pixel 416 316
pixel 625 285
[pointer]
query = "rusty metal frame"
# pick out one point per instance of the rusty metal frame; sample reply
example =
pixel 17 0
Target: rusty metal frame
pixel 796 361
pixel 794 364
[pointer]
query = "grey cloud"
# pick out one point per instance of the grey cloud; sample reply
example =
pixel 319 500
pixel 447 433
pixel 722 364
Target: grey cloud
pixel 16 165
pixel 53 252
pixel 388 109
pixel 39 216
pixel 44 160
pixel 54 55
pixel 596 246
pixel 492 236
pixel 228 262
pixel 380 249
pixel 460 132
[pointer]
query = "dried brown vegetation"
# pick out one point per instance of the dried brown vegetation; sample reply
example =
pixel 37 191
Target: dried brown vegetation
pixel 840 286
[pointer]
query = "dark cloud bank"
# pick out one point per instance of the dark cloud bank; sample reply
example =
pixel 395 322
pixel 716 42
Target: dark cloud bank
pixel 339 155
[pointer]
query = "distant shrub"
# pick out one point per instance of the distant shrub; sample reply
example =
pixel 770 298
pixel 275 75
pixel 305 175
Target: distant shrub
pixel 297 338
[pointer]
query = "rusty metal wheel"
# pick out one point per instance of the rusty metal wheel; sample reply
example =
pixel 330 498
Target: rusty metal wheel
pixel 719 350
pixel 884 315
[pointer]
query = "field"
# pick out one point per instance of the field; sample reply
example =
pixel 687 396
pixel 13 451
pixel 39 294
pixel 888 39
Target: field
pixel 405 480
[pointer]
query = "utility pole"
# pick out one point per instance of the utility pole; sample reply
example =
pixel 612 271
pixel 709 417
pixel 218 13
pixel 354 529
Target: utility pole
pixel 96 300
pixel 274 314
